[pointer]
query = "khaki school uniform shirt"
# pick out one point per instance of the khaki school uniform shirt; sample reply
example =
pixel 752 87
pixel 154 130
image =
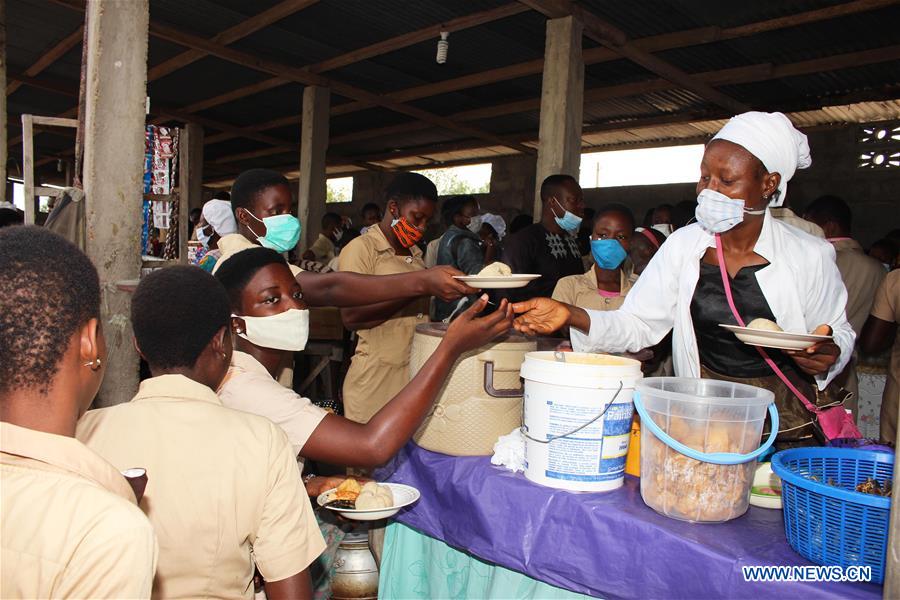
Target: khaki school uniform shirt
pixel 250 388
pixel 887 308
pixel 862 275
pixel 223 493
pixel 70 526
pixel 233 243
pixel 380 367
pixel 323 249
pixel 581 290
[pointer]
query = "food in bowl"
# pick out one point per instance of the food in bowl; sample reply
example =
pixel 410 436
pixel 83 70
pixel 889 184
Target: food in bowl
pixel 764 325
pixel 496 269
pixel 691 490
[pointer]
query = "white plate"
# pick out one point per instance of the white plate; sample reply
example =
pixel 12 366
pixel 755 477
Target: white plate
pixel 493 282
pixel 780 340
pixel 404 495
pixel 764 477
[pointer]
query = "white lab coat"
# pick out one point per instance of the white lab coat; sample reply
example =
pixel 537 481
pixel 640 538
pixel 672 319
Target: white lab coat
pixel 802 286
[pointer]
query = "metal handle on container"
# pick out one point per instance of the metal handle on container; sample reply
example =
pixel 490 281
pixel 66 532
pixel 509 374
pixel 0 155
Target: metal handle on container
pixel 716 458
pixel 493 392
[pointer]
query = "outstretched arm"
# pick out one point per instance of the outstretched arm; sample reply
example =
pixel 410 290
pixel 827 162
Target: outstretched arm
pixel 340 441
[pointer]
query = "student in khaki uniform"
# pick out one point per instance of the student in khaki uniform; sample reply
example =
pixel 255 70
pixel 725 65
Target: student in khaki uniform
pixel 380 367
pixel 272 321
pixel 69 524
pixel 224 493
pixel 861 274
pixel 323 249
pixel 879 330
pixel 605 284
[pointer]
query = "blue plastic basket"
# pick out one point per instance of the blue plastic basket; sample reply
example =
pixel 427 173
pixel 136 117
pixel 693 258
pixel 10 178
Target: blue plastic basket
pixel 835 524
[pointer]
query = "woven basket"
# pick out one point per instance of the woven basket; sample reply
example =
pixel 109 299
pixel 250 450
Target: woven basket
pixel 481 398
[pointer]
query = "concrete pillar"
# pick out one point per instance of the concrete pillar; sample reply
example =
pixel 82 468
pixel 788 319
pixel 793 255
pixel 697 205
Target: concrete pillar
pixel 562 103
pixel 113 173
pixel 313 145
pixel 190 182
pixel 3 149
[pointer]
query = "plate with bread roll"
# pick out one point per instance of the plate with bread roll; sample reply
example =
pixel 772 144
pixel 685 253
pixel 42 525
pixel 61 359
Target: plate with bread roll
pixel 497 276
pixel 367 502
pixel 767 333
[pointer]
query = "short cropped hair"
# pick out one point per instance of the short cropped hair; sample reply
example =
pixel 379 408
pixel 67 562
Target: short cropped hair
pixel 615 208
pixel 454 205
pixel 49 289
pixel 330 218
pixel 411 186
pixel 251 183
pixel 370 206
pixel 176 312
pixel 552 185
pixel 829 208
pixel 236 272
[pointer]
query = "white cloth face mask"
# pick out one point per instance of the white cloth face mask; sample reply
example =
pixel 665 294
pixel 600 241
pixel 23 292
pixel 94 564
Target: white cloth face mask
pixel 285 331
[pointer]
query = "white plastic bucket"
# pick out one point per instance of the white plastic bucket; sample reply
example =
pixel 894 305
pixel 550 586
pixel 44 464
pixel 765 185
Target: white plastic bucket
pixel 566 445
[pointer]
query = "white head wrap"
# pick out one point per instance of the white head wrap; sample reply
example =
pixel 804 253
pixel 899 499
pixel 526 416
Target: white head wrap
pixel 218 213
pixel 495 221
pixel 772 139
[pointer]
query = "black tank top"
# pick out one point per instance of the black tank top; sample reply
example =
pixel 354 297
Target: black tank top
pixel 719 349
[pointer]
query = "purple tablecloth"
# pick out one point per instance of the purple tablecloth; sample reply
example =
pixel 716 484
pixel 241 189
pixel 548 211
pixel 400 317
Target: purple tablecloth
pixel 604 544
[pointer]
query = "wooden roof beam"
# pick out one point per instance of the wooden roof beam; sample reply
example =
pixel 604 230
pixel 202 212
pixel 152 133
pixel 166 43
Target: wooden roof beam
pixel 50 56
pixel 367 52
pixel 304 77
pixel 657 43
pixel 246 27
pixel 616 40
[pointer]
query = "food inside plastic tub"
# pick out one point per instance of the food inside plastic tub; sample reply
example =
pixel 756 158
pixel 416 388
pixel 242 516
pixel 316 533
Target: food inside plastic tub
pixel 692 490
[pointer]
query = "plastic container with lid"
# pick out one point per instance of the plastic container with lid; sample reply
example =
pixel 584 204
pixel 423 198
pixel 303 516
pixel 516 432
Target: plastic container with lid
pixel 699 442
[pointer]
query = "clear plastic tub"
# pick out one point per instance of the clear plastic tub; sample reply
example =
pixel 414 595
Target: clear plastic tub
pixel 698 455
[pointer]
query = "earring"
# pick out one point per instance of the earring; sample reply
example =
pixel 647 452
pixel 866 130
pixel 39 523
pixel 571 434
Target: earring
pixel 224 356
pixel 94 364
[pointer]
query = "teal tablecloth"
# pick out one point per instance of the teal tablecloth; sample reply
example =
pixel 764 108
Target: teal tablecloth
pixel 414 565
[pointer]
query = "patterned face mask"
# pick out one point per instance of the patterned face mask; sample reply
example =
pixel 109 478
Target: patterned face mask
pixel 407 234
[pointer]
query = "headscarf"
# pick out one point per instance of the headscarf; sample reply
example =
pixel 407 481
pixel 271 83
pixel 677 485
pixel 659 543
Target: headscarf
pixel 495 221
pixel 646 233
pixel 218 213
pixel 772 139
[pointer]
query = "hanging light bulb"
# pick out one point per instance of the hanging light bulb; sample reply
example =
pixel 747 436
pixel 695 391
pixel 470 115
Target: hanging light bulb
pixel 442 48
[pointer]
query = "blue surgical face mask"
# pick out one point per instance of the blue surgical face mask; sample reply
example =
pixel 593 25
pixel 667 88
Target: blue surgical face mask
pixel 608 253
pixel 718 213
pixel 569 221
pixel 282 232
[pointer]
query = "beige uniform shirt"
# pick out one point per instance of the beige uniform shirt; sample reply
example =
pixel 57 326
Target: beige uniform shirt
pixel 70 526
pixel 233 243
pixel 250 388
pixel 323 248
pixel 786 215
pixel 887 308
pixel 581 290
pixel 223 493
pixel 380 367
pixel 862 275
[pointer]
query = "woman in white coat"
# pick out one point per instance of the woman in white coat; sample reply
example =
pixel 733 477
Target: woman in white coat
pixel 775 271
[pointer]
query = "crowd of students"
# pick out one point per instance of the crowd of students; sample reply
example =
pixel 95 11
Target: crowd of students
pixel 225 444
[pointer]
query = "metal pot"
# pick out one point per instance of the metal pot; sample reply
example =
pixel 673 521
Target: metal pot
pixel 355 571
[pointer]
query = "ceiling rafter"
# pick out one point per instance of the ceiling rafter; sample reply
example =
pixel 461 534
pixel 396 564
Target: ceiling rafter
pixel 299 75
pixel 50 56
pixel 367 52
pixel 248 26
pixel 616 40
pixel 657 43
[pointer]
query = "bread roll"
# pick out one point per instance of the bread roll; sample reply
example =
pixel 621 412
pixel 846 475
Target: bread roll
pixel 496 269
pixel 764 324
